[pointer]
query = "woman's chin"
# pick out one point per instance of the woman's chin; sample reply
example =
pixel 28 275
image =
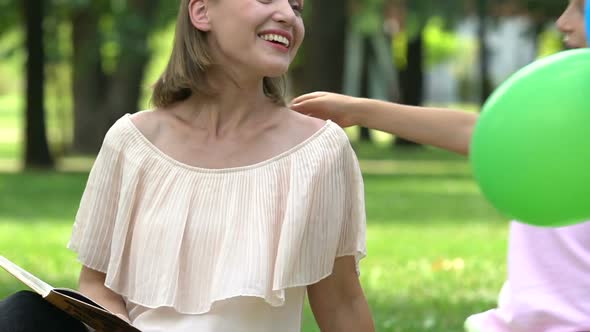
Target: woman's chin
pixel 274 73
pixel 276 69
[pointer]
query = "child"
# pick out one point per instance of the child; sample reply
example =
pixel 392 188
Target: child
pixel 548 286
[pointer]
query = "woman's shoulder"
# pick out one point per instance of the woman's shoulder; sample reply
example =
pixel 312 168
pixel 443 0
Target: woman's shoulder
pixel 148 123
pixel 302 127
pixel 305 123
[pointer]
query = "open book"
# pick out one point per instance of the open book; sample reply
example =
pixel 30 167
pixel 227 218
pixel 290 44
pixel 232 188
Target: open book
pixel 70 301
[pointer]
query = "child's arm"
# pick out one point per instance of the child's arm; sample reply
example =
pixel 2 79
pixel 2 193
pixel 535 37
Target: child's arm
pixel 338 302
pixel 443 128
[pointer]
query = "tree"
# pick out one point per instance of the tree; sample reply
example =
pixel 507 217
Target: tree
pixel 370 70
pixel 411 76
pixel 9 15
pixel 105 89
pixel 486 85
pixel 37 154
pixel 324 45
pixel 135 25
pixel 88 76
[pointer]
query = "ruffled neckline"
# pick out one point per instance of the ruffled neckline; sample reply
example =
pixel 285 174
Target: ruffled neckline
pixel 161 155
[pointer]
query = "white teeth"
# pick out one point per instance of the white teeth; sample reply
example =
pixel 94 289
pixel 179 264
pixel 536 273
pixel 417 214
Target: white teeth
pixel 276 38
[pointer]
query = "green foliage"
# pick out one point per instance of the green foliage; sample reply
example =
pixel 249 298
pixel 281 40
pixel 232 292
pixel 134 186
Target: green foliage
pixel 10 15
pixel 440 44
pixel 421 11
pixel 11 52
pixel 367 17
pixel 550 42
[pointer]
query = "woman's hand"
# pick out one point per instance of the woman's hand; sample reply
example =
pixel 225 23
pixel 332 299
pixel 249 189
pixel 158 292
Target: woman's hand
pixel 328 106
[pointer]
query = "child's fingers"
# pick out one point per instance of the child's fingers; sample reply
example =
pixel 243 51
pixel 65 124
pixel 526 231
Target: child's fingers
pixel 301 108
pixel 305 109
pixel 306 97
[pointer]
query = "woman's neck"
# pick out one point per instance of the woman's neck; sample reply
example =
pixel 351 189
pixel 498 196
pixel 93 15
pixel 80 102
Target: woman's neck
pixel 237 104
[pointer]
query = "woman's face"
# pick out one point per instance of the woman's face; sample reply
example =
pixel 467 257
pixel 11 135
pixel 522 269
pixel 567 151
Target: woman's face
pixel 258 36
pixel 572 25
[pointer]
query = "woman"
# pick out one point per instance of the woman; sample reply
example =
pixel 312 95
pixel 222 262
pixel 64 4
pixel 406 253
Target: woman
pixel 220 209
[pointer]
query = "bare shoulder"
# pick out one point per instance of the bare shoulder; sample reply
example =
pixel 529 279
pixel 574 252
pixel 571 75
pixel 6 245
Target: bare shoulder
pixel 289 129
pixel 148 123
pixel 305 125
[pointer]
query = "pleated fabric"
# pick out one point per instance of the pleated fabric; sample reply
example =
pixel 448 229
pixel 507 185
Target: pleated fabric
pixel 169 234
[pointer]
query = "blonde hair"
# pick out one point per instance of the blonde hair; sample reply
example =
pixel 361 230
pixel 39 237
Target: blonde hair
pixel 186 72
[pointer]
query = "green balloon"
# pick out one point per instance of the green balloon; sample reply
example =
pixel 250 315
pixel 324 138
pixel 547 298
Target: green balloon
pixel 530 151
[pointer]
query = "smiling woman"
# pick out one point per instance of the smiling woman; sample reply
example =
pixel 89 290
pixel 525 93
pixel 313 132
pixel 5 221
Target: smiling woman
pixel 193 56
pixel 221 209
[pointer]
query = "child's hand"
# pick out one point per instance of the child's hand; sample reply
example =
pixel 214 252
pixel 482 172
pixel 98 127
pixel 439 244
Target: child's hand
pixel 327 106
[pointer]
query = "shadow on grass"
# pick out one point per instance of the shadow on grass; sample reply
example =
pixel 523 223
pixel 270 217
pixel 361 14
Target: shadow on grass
pixel 371 151
pixel 434 208
pixel 404 198
pixel 426 199
pixel 31 196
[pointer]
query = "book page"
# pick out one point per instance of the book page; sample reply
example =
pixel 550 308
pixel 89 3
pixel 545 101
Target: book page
pixel 74 303
pixel 36 284
pixel 78 296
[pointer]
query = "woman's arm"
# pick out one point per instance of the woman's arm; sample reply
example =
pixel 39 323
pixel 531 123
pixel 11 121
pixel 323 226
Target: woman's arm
pixel 443 128
pixel 91 284
pixel 338 302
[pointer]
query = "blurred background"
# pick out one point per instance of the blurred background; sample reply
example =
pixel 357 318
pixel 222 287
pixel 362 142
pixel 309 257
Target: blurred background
pixel 70 68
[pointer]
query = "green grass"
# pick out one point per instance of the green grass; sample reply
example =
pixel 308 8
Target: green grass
pixel 10 127
pixel 436 248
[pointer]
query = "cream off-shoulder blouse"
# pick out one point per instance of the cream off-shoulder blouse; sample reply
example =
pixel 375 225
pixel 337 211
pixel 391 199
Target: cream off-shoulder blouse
pixel 194 249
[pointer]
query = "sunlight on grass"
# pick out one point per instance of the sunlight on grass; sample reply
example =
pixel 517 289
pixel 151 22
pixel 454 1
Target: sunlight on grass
pixel 39 248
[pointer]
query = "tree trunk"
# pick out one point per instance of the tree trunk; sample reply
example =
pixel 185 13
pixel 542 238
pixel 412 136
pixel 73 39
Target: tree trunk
pixel 125 88
pixel 486 86
pixel 368 56
pixel 37 154
pixel 412 80
pixel 99 100
pixel 88 80
pixel 325 46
